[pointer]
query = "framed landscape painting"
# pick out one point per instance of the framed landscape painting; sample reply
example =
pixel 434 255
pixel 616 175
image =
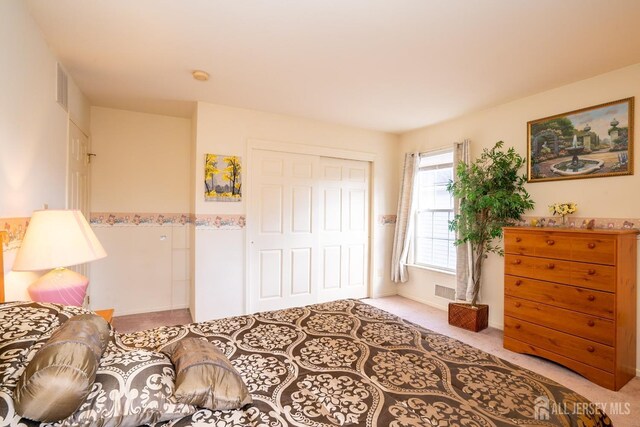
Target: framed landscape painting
pixel 587 143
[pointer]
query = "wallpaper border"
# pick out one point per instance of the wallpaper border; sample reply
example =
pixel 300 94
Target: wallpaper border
pixel 15 228
pixel 220 222
pixel 581 222
pixel 160 219
pixel 133 219
pixel 387 219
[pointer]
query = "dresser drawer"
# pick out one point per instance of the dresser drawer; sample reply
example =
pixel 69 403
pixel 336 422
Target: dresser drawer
pixel 545 245
pixel 582 325
pixel 584 300
pixel 576 348
pixel 597 249
pixel 592 276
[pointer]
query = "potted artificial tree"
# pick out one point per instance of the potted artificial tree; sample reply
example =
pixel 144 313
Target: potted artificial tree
pixel 492 195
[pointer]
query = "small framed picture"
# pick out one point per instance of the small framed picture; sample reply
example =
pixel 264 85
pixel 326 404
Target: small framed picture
pixel 222 178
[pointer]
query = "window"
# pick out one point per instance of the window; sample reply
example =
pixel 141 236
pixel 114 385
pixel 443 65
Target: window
pixel 433 242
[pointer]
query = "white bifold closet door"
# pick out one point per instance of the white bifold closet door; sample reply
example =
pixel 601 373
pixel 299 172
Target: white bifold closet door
pixel 283 227
pixel 344 229
pixel 308 222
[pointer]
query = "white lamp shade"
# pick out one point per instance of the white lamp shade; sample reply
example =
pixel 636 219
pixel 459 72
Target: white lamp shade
pixel 57 238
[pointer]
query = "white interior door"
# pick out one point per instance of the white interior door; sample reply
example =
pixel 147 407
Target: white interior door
pixel 78 170
pixel 283 206
pixel 344 229
pixel 78 176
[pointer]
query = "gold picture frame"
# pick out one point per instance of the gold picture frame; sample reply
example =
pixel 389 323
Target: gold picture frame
pixel 590 142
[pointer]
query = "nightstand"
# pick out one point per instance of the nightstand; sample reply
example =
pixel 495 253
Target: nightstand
pixel 105 314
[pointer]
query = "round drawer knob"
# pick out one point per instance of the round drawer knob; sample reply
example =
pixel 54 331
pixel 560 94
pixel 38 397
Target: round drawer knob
pixel 551 266
pixel 518 239
pixel 517 261
pixel 591 245
pixel 550 242
pixel 590 349
pixel 591 323
pixel 591 272
pixel 591 298
pixel 518 282
pixel 518 304
pixel 517 326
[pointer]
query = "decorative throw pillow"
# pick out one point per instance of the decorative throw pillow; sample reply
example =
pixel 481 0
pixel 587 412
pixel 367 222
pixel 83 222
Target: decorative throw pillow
pixel 22 325
pixel 132 388
pixel 205 377
pixel 59 377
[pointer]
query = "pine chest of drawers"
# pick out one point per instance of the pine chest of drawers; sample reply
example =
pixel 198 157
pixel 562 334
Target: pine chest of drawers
pixel 570 296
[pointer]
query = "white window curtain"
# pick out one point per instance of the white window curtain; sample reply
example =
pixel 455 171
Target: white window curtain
pixel 464 261
pixel 401 238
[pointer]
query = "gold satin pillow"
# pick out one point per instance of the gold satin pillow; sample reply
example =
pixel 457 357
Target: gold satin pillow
pixel 60 376
pixel 205 377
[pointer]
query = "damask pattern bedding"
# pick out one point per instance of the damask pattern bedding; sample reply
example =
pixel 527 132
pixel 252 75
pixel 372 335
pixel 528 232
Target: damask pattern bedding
pixel 338 363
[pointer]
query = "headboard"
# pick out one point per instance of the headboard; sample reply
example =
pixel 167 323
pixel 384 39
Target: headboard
pixel 2 236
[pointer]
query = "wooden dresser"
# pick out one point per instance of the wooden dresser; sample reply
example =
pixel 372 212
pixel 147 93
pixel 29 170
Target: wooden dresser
pixel 570 296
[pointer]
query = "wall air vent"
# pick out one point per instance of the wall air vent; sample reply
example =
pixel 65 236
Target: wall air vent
pixel 445 292
pixel 62 88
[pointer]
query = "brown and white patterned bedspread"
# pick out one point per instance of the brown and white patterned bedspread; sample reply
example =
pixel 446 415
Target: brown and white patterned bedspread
pixel 341 363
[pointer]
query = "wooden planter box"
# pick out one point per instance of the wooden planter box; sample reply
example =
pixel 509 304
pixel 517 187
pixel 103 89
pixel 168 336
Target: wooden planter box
pixel 468 317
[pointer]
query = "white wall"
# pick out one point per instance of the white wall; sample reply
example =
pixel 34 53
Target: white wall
pixel 613 197
pixel 33 127
pixel 142 162
pixel 220 254
pixel 142 166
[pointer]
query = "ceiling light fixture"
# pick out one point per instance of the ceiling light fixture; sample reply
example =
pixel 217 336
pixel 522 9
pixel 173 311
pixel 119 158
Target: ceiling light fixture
pixel 200 75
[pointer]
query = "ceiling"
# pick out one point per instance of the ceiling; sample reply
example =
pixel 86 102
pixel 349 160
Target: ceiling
pixel 391 65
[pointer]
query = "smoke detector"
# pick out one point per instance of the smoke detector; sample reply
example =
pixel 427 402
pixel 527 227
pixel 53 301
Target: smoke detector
pixel 200 75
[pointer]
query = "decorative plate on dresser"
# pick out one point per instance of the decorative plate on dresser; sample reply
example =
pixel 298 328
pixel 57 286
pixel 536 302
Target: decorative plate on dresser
pixel 570 297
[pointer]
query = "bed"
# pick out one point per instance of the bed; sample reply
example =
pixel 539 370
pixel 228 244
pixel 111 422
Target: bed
pixel 338 363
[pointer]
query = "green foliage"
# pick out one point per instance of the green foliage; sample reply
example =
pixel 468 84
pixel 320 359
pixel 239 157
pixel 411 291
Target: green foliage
pixel 210 170
pixel 492 195
pixel 561 124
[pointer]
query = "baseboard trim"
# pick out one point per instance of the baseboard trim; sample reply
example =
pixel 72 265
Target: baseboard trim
pixel 424 301
pixel 385 294
pixel 445 307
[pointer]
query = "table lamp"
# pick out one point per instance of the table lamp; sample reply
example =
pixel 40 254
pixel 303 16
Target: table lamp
pixel 58 239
